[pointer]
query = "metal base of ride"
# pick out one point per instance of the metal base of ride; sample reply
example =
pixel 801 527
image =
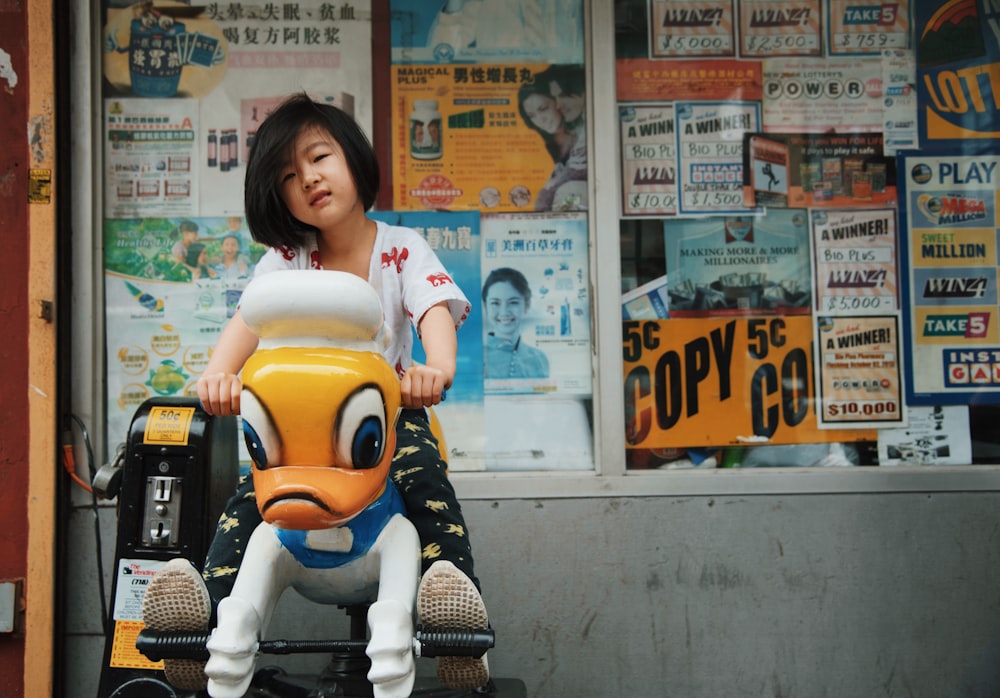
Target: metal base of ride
pixel 273 682
pixel 345 676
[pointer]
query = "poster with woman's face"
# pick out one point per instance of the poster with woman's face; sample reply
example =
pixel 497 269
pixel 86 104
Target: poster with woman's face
pixel 535 304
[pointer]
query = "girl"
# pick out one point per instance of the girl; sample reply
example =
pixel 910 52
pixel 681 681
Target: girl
pixel 311 176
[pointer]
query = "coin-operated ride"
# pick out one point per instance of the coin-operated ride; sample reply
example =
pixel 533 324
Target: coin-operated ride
pixel 319 407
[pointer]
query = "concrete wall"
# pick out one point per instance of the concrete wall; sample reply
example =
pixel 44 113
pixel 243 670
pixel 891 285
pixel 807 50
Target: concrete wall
pixel 796 595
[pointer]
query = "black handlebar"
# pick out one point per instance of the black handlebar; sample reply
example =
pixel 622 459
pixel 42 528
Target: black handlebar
pixel 446 642
pixel 453 642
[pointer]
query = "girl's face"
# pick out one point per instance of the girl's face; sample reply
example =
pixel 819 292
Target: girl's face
pixel 570 106
pixel 316 183
pixel 505 309
pixel 542 112
pixel 230 247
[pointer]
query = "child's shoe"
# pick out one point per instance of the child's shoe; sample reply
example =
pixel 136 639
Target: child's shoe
pixel 177 599
pixel 447 598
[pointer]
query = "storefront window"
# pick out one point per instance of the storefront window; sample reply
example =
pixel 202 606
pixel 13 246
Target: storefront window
pixel 484 148
pixel 808 235
pixel 803 193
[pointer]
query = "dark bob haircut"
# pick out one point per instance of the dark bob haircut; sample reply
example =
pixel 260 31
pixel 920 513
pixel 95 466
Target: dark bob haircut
pixel 269 220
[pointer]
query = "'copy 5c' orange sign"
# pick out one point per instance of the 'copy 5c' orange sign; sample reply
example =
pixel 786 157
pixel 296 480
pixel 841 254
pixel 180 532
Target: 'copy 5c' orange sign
pixel 720 381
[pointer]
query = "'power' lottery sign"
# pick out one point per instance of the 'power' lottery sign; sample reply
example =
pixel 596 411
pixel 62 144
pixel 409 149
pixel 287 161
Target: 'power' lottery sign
pixel 719 381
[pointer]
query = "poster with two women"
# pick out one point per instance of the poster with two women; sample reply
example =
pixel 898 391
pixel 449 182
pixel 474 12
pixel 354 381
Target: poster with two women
pixel 489 106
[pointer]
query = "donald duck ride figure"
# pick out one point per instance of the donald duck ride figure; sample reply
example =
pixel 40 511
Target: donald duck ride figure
pixel 319 405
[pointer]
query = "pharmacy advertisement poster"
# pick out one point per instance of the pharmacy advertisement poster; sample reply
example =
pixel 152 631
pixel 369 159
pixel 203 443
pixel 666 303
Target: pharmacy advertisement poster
pixel 958 90
pixel 649 80
pixel 739 265
pixel 151 153
pixel 455 239
pixel 949 261
pixel 164 315
pixel 469 138
pixel 498 31
pixel 780 28
pixel 722 381
pixel 162 49
pixel 815 95
pixel 710 154
pixel 818 170
pixel 536 307
pixel 232 65
pixel 692 28
pixel 865 27
pixel 858 371
pixel 649 160
pixel 856 264
pixel 937 435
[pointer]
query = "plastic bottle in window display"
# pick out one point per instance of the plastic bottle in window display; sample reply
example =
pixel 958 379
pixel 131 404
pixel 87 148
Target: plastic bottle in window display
pixel 213 147
pixel 425 130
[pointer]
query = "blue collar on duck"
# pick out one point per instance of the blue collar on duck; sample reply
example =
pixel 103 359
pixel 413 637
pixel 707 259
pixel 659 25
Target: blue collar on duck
pixel 365 529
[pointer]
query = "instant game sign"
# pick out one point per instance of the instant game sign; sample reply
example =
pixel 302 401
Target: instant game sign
pixel 950 262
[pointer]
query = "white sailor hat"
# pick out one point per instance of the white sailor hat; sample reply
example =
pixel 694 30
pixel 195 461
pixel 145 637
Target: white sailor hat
pixel 314 308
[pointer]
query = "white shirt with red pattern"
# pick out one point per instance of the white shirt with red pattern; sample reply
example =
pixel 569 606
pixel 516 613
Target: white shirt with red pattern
pixel 407 275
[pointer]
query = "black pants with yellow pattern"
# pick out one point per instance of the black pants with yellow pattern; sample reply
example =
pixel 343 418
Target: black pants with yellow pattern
pixel 420 474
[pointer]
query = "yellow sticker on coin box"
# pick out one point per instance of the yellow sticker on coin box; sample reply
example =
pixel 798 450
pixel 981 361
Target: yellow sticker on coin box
pixel 168 426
